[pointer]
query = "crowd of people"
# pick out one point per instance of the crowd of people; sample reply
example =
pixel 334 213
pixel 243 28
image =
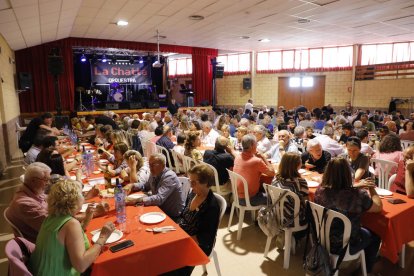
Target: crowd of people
pixel 248 141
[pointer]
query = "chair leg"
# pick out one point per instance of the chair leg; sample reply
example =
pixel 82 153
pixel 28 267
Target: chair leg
pixel 363 264
pixel 268 241
pixel 402 257
pixel 253 215
pixel 216 262
pixel 231 217
pixel 241 219
pixel 204 270
pixel 288 246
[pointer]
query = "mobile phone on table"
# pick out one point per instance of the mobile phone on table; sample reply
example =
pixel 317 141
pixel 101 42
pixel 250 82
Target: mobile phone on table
pixel 395 200
pixel 121 246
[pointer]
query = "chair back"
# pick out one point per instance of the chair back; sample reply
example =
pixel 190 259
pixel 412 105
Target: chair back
pixel 149 149
pixel 17 232
pixel 188 163
pixel 216 180
pixel 317 213
pixel 185 187
pixel 383 169
pixel 166 153
pixel 15 255
pixel 406 143
pixel 178 162
pixel 274 193
pixel 223 205
pixel 391 180
pixel 236 178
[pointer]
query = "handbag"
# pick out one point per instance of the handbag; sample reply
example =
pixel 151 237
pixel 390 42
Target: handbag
pixel 267 218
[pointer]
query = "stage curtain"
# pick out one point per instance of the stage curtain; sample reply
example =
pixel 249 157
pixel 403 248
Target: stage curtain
pixel 33 60
pixel 203 74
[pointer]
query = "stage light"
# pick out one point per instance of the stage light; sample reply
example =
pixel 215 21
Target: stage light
pixel 141 60
pixel 122 23
pixel 83 58
pixel 104 58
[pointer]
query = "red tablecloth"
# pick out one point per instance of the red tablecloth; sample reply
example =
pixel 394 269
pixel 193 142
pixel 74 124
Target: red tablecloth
pixel 152 253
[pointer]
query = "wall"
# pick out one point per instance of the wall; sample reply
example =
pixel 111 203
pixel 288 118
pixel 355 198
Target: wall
pixel 9 104
pixel 265 89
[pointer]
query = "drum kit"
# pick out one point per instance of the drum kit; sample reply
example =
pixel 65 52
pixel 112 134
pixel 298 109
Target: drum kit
pixel 116 93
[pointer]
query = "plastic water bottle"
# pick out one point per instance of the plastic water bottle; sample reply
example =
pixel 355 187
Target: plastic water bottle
pixel 120 205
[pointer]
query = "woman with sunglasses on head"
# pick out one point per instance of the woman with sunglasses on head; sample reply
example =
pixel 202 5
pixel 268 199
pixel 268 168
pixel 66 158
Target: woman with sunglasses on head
pixel 338 193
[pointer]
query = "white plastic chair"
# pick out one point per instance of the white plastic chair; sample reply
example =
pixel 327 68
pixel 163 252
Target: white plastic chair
pixel 178 162
pixel 166 153
pixel 216 178
pixel 317 212
pixel 383 168
pixel 235 178
pixel 223 205
pixel 391 180
pixel 149 149
pixel 188 162
pixel 185 187
pixel 17 232
pixel 406 143
pixel 274 193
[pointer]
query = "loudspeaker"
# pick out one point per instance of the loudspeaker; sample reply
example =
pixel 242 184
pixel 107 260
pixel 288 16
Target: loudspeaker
pixel 25 81
pixel 112 106
pixel 153 104
pixel 219 72
pixel 135 105
pixel 55 65
pixel 247 83
pixel 61 121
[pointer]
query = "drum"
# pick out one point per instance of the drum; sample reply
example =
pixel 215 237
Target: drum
pixel 118 97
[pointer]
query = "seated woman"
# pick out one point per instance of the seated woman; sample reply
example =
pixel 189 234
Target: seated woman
pixel 62 247
pixel 359 162
pixel 201 214
pixel 138 170
pixel 389 149
pixel 55 161
pixel 289 178
pixel 117 159
pixel 241 131
pixel 404 181
pixel 225 131
pixel 337 193
pixel 191 143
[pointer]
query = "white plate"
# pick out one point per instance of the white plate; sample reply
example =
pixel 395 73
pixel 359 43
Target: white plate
pixel 312 184
pixel 70 160
pixel 301 171
pixel 84 207
pixel 135 196
pixel 96 172
pixel 153 217
pixel 383 192
pixel 115 236
pixel 87 188
pixel 113 180
pixel 73 177
pixel 95 181
pixel 103 161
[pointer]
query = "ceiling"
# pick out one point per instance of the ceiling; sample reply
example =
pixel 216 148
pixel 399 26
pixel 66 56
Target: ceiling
pixel 26 23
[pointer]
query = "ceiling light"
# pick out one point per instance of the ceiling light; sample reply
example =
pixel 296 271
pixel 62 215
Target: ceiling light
pixel 244 37
pixel 122 23
pixel 141 60
pixel 83 58
pixel 264 40
pixel 196 17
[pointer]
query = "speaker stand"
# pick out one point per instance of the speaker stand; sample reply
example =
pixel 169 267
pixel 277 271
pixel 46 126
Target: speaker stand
pixel 81 106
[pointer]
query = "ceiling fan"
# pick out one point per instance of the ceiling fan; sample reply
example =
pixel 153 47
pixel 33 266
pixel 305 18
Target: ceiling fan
pixel 157 63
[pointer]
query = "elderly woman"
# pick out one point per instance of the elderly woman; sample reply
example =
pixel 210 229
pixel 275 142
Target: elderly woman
pixel 404 181
pixel 359 162
pixel 62 247
pixel 201 214
pixel 117 159
pixel 263 143
pixel 138 170
pixel 288 178
pixel 338 193
pixel 225 131
pixel 389 149
pixel 191 143
pixel 241 131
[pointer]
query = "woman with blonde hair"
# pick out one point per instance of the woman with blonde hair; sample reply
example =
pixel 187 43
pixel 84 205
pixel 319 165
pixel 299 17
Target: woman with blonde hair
pixel 62 247
pixel 191 143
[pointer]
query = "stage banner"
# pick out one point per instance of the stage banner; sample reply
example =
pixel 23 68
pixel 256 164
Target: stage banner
pixel 122 73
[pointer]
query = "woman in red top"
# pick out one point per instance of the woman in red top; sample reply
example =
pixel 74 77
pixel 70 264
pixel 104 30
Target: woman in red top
pixel 404 181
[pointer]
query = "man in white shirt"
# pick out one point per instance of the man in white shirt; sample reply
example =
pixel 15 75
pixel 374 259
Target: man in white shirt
pixel 365 148
pixel 285 145
pixel 263 143
pixel 249 105
pixel 328 143
pixel 209 134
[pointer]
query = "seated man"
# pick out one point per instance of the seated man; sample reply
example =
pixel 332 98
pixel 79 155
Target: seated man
pixel 165 188
pixel 328 143
pixel 221 158
pixel 209 136
pixel 285 145
pixel 263 143
pixel 165 141
pixel 251 165
pixel 315 159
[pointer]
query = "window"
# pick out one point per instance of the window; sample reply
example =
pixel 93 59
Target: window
pixel 300 82
pixel 299 59
pixel 307 82
pixel 235 62
pixel 387 53
pixel 294 82
pixel 180 67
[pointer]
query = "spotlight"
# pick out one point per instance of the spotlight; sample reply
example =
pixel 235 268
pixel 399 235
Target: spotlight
pixel 131 60
pixel 83 58
pixel 104 58
pixel 141 60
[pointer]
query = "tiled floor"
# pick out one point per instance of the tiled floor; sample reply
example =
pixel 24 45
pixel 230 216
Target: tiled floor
pixel 244 257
